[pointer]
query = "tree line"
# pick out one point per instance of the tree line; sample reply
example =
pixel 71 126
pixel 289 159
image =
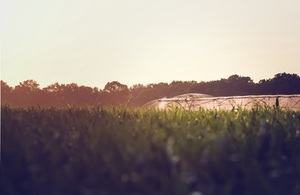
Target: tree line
pixel 28 93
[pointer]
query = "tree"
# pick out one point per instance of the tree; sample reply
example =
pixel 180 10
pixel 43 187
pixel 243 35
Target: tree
pixel 5 88
pixel 239 85
pixel 54 88
pixel 115 86
pixel 27 93
pixel 5 92
pixel 115 93
pixel 284 83
pixel 28 86
pixel 55 95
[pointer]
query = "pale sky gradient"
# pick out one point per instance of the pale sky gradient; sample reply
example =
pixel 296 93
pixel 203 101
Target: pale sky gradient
pixel 92 42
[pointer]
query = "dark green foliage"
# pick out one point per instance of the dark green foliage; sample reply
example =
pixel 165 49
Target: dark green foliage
pixel 117 151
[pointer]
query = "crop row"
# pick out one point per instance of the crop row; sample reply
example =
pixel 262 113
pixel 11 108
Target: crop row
pixel 147 151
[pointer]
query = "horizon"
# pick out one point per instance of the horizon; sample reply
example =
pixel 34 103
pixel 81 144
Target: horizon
pixel 92 43
pixel 129 86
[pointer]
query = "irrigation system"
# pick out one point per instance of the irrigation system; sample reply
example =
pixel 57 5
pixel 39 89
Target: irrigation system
pixel 195 101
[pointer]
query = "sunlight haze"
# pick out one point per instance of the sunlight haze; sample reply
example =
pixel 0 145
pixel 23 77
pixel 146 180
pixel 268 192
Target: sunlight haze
pixel 93 42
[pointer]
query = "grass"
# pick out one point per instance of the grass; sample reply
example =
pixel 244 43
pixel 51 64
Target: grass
pixel 117 151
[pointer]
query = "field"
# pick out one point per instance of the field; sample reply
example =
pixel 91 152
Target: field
pixel 146 151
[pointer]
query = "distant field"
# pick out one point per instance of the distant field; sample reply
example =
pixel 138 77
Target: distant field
pixel 146 151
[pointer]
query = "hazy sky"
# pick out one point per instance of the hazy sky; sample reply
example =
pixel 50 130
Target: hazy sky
pixel 92 42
